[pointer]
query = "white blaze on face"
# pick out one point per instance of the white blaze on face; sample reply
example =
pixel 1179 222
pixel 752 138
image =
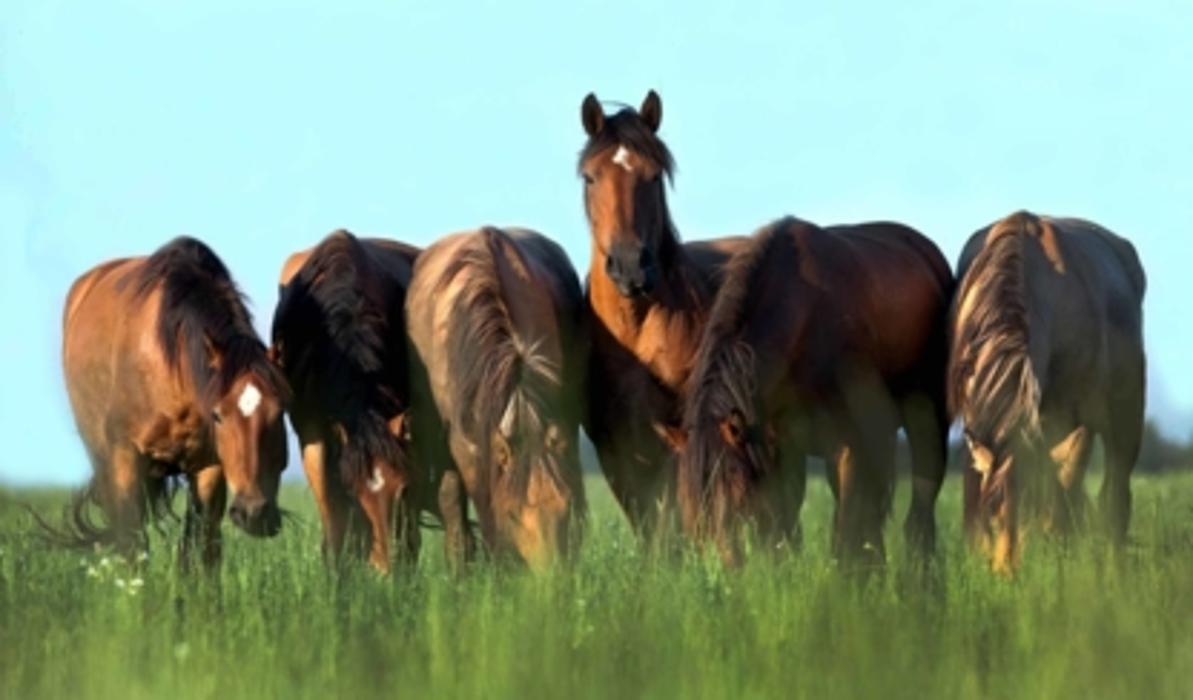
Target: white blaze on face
pixel 622 158
pixel 250 398
pixel 377 482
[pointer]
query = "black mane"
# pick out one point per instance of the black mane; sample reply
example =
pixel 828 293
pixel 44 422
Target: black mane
pixel 335 341
pixel 201 305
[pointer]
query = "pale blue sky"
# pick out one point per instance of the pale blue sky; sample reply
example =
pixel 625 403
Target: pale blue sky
pixel 261 130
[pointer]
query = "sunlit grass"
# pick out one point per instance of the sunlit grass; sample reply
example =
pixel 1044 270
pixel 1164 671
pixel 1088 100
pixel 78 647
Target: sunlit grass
pixel 1078 621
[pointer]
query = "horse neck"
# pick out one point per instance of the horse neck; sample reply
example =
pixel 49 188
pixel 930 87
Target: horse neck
pixel 679 297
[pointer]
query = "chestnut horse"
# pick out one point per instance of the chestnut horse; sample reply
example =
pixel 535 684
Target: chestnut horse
pixel 647 298
pixel 1047 351
pixel 495 318
pixel 820 342
pixel 167 377
pixel 339 332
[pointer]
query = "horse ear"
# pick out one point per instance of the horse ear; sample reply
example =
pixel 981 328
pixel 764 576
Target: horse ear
pixel 733 427
pixel 399 426
pixel 675 437
pixel 592 115
pixel 651 110
pixel 214 358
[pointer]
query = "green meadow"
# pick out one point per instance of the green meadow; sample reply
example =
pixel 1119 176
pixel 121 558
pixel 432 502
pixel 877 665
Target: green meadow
pixel 1079 621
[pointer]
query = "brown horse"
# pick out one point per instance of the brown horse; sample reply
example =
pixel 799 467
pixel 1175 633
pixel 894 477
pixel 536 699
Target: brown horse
pixel 167 377
pixel 339 332
pixel 647 298
pixel 495 317
pixel 1047 351
pixel 820 342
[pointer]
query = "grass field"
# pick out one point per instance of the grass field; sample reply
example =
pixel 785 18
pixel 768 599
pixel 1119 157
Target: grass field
pixel 276 623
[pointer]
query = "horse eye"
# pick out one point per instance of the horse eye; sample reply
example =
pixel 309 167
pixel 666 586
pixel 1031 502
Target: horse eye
pixel 587 179
pixel 216 417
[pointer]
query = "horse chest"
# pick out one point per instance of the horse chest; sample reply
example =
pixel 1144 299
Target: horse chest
pixel 177 438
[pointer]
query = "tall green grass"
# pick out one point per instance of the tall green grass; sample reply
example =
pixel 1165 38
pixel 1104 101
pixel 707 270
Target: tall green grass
pixel 1078 621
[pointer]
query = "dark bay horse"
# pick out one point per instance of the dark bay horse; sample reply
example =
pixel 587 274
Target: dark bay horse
pixel 820 342
pixel 1047 352
pixel 339 333
pixel 647 298
pixel 167 377
pixel 495 318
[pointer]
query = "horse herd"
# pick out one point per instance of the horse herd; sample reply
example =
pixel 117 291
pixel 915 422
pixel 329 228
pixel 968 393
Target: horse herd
pixel 706 373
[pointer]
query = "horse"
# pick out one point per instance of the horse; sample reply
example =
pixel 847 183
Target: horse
pixel 646 300
pixel 820 341
pixel 339 333
pixel 167 378
pixel 1047 352
pixel 494 316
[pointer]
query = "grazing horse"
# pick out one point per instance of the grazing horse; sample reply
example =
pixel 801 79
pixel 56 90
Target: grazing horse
pixel 1047 351
pixel 647 298
pixel 166 378
pixel 820 342
pixel 339 333
pixel 495 318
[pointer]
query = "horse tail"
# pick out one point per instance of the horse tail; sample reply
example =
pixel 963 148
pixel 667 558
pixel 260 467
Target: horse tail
pixel 79 528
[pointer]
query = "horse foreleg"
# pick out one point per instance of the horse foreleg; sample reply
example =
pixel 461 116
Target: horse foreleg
pixel 207 500
pixel 453 509
pixel 926 425
pixel 793 476
pixel 328 497
pixel 1071 456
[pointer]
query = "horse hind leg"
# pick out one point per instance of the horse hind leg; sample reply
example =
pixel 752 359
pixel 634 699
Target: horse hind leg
pixel 122 499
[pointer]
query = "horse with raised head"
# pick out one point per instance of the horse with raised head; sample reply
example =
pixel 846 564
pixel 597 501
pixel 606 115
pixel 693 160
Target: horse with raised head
pixel 495 319
pixel 339 333
pixel 647 297
pixel 1047 352
pixel 821 341
pixel 167 377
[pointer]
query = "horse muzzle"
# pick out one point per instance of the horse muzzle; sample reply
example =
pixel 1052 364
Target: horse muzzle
pixel 259 518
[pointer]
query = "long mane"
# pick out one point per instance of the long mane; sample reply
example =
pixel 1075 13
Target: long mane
pixel 332 332
pixel 499 375
pixel 724 378
pixel 992 384
pixel 201 306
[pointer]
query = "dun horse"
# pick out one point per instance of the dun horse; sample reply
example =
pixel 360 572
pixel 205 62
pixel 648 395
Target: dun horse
pixel 339 332
pixel 647 298
pixel 1047 352
pixel 495 318
pixel 167 377
pixel 820 342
